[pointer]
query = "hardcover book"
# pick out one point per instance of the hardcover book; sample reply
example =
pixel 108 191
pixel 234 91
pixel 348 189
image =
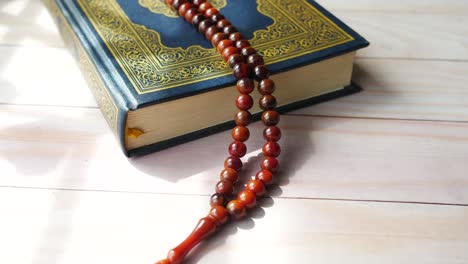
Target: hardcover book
pixel 159 82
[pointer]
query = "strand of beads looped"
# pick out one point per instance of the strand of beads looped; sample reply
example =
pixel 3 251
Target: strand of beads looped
pixel 247 66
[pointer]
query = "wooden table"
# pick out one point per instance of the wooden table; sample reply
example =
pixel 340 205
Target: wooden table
pixel 377 177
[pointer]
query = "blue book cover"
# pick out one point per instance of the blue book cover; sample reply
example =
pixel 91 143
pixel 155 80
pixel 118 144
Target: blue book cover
pixel 140 53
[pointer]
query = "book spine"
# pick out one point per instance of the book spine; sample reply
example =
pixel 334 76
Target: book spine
pixel 111 104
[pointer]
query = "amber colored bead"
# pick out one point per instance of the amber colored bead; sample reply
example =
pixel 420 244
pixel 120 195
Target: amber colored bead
pixel 176 4
pixel 190 14
pixel 245 86
pixel 197 19
pixel 204 25
pixel 237 149
pixel 270 118
pixel 272 133
pixel 217 199
pixel 164 261
pixel 271 149
pixel 261 72
pixel 183 8
pixel 247 51
pixel 219 214
pixel 223 23
pixel 254 60
pixel 223 44
pixel 240 44
pixel 267 102
pixel 266 86
pixel 224 187
pixel 240 133
pixel 217 38
pixel 244 102
pixel 228 52
pixel 233 163
pixel 236 209
pixel 248 198
pixel 198 2
pixel 229 175
pixel 210 12
pixel 270 163
pixel 240 70
pixel 236 36
pixel 204 6
pixel 229 29
pixel 265 176
pixel 209 33
pixel 243 118
pixel 256 187
pixel 169 2
pixel 235 59
pixel 217 17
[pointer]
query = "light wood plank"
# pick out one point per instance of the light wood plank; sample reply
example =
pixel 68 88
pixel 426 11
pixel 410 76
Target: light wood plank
pixel 405 89
pixel 363 159
pixel 43 227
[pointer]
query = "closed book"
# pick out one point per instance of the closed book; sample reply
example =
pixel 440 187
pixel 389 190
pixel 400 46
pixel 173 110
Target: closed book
pixel 159 82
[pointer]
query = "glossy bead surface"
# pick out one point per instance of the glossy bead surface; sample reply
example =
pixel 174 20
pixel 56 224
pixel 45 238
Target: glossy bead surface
pixel 270 163
pixel 236 209
pixel 247 51
pixel 190 14
pixel 266 86
pixel 198 2
pixel 219 214
pixel 271 149
pixel 183 8
pixel 267 102
pixel 210 32
pixel 240 44
pixel 229 29
pixel 240 70
pixel 217 17
pixel 261 72
pixel 254 60
pixel 217 199
pixel 256 187
pixel 204 25
pixel 235 59
pixel 245 86
pixel 210 12
pixel 223 23
pixel 228 52
pixel 244 102
pixel 229 175
pixel 235 36
pixel 240 133
pixel 243 118
pixel 233 163
pixel 223 44
pixel 237 149
pixel 272 133
pixel 176 4
pixel 248 198
pixel 265 176
pixel 197 19
pixel 204 6
pixel 217 38
pixel 270 118
pixel 224 187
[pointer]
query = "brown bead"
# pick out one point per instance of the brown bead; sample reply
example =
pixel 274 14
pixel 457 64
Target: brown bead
pixel 204 6
pixel 237 149
pixel 243 118
pixel 197 19
pixel 224 187
pixel 270 163
pixel 270 118
pixel 266 86
pixel 254 60
pixel 217 17
pixel 248 198
pixel 265 176
pixel 245 86
pixel 204 25
pixel 176 4
pixel 183 8
pixel 198 2
pixel 261 72
pixel 223 44
pixel 272 133
pixel 240 70
pixel 190 14
pixel 244 102
pixel 236 36
pixel 256 187
pixel 228 52
pixel 247 51
pixel 217 199
pixel 210 12
pixel 223 23
pixel 267 102
pixel 240 44
pixel 217 38
pixel 229 29
pixel 240 133
pixel 233 163
pixel 229 175
pixel 169 2
pixel 219 214
pixel 271 149
pixel 209 33
pixel 235 59
pixel 236 209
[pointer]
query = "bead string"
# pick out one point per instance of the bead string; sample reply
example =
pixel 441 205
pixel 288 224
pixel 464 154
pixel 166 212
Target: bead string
pixel 247 66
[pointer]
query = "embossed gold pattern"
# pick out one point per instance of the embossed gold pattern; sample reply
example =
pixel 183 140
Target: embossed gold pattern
pixel 298 29
pixel 160 6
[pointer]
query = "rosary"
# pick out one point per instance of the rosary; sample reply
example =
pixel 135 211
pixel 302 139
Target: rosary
pixel 247 66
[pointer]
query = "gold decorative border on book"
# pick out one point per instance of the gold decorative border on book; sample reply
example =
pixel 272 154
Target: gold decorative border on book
pixel 298 28
pixel 90 73
pixel 160 6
